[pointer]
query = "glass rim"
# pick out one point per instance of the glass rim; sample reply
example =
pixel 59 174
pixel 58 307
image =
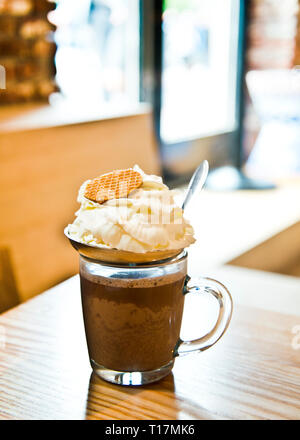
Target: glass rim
pixel 166 261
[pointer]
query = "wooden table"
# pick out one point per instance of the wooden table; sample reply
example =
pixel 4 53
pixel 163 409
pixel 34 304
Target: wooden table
pixel 252 373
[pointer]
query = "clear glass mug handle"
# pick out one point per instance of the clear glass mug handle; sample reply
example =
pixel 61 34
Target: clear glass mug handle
pixel 222 295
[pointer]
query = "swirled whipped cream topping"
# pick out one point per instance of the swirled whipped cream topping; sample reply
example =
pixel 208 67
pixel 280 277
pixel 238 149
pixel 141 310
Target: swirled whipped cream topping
pixel 147 220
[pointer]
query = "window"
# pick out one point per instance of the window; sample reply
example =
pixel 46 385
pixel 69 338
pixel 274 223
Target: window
pixel 199 68
pixel 97 58
pixel 198 91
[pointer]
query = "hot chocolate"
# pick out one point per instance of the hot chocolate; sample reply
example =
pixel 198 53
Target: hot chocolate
pixel 132 324
pixel 131 236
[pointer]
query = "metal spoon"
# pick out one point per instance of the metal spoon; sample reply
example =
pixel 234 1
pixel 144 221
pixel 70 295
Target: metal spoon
pixel 196 183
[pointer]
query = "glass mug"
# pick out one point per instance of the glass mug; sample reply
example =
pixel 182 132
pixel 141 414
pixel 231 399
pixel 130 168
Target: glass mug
pixel 132 315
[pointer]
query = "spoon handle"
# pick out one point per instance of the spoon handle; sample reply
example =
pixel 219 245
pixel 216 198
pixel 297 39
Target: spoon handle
pixel 196 183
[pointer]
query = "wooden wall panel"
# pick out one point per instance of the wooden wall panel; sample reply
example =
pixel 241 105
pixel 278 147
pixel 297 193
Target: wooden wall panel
pixel 40 174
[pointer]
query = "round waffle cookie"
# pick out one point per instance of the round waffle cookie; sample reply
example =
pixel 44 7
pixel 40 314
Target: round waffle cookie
pixel 113 185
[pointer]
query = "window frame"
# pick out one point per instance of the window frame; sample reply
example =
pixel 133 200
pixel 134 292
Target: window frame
pixel 220 149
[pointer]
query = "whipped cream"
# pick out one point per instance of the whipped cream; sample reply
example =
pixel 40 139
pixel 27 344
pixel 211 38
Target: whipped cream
pixel 147 220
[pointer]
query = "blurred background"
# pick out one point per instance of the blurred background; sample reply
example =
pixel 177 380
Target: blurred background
pixel 87 86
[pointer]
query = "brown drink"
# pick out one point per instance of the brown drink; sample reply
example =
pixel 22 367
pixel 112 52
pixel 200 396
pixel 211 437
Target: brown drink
pixel 132 325
pixel 131 237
